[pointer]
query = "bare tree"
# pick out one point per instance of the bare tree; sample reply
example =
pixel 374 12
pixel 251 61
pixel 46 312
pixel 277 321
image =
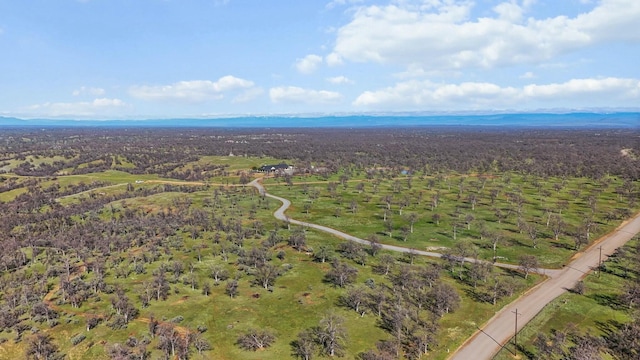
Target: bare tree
pixel 41 347
pixel 468 220
pixel 341 274
pixel 255 339
pixel 331 335
pixel 305 345
pixel 200 343
pixel 218 273
pixel 532 231
pixel 266 275
pixel 444 299
pixel 354 298
pixel 557 225
pixel 412 218
pixel 353 206
pixel 232 288
pixel 528 263
pixel 298 239
pixel 385 264
pixel 374 245
pixel 579 239
pixel 436 218
pixel 388 225
pixel 323 253
pixel 479 271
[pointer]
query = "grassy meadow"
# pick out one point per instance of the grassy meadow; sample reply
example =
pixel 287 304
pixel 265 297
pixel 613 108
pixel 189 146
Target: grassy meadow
pixel 480 208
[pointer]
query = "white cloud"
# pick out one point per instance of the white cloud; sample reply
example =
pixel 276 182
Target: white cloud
pixel 339 80
pixel 612 87
pixel 191 91
pixel 96 108
pixel 426 95
pixel 227 83
pixel 509 11
pixel 84 90
pixel 333 59
pixel 308 64
pixel 441 35
pixel 294 94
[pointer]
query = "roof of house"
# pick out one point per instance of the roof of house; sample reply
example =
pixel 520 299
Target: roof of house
pixel 273 167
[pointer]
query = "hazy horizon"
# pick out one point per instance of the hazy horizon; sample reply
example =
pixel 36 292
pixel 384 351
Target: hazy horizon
pixel 530 120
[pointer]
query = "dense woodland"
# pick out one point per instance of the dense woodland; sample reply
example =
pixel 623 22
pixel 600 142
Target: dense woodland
pixel 589 153
pixel 92 254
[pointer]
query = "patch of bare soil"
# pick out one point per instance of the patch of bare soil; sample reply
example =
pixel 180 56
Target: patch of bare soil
pixel 628 153
pixel 182 300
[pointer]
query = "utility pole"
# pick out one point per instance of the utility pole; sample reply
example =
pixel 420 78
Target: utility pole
pixel 515 336
pixel 600 262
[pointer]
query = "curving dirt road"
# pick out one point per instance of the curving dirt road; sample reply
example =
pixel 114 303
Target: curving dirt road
pixel 280 215
pixel 485 343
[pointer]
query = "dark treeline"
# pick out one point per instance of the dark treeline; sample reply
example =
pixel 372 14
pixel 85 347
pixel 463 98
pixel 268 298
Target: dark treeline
pixel 590 153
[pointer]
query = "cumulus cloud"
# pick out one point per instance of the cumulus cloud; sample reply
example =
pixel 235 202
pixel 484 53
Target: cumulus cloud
pixel 334 59
pixel 96 108
pixel 416 94
pixel 340 80
pixel 93 91
pixel 611 87
pixel 308 64
pixel 298 95
pixel 191 91
pixel 442 35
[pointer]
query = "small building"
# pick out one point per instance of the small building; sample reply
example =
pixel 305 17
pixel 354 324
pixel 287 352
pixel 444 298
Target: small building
pixel 282 167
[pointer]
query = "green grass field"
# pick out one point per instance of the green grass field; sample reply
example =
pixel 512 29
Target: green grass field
pixel 301 297
pixel 313 201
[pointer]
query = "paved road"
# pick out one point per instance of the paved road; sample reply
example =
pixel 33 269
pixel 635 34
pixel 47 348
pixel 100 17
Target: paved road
pixel 502 326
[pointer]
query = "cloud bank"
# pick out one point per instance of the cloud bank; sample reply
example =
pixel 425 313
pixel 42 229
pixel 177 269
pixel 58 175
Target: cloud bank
pixel 435 34
pixel 191 91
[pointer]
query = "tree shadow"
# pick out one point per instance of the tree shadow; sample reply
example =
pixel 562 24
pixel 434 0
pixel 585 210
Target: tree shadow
pixel 517 242
pixel 478 296
pixel 611 335
pixel 608 300
pixel 609 327
pixel 528 354
pixel 512 272
pixel 560 245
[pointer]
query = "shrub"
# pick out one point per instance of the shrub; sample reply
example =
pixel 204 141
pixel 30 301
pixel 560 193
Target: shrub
pixel 78 339
pixel 201 328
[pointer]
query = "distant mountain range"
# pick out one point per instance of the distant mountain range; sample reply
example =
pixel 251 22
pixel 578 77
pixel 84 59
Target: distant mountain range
pixel 519 120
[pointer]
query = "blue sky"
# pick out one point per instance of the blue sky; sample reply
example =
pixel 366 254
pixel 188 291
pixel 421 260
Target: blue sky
pixel 97 59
